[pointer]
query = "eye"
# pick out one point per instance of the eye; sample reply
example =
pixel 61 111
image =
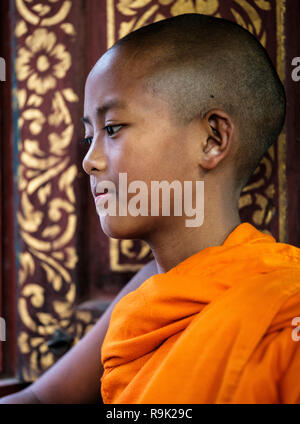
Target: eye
pixel 87 140
pixel 109 129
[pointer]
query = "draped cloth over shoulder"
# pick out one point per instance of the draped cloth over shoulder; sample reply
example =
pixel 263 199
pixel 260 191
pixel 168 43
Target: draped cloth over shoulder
pixel 217 328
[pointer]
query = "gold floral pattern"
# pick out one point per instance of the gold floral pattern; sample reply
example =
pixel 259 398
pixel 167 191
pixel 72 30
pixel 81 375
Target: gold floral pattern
pixel 46 215
pixel 42 61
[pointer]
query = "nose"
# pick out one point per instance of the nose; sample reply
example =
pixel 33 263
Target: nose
pixel 94 160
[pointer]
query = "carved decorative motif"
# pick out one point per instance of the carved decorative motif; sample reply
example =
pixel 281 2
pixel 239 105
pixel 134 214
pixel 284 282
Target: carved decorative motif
pixel 46 215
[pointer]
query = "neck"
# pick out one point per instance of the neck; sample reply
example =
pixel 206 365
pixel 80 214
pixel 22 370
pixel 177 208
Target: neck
pixel 177 242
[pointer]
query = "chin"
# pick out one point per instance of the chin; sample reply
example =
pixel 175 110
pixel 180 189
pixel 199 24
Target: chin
pixel 124 227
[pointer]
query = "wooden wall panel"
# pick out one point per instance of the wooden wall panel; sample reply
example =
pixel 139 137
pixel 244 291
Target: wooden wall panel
pixel 7 231
pixel 49 73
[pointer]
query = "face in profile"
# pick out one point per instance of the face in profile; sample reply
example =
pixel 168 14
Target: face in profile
pixel 131 131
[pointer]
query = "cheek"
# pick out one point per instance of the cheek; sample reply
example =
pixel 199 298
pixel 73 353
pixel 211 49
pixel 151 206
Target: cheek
pixel 125 164
pixel 128 159
pixel 148 158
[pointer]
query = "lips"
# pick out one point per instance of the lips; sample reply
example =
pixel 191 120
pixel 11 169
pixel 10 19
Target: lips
pixel 98 194
pixel 97 190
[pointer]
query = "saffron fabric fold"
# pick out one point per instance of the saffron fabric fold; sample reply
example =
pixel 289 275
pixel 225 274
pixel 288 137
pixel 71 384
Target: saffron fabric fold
pixel 217 328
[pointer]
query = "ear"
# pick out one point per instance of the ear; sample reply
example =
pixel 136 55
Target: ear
pixel 218 138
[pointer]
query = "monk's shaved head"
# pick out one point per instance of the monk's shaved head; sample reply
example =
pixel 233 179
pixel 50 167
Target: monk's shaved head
pixel 198 62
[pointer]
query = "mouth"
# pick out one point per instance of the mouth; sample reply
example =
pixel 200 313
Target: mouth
pixel 100 194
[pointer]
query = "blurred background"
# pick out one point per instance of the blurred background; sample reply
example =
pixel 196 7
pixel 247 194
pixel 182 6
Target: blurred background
pixel 59 271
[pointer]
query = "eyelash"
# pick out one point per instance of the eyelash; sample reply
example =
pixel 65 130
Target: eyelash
pixel 88 140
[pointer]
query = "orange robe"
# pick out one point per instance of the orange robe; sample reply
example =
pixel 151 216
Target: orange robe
pixel 217 328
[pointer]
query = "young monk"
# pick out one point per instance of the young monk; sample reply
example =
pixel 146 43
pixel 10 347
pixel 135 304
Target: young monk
pixel 186 99
pixel 194 98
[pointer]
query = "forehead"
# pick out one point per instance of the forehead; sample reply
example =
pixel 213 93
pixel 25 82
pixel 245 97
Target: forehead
pixel 118 73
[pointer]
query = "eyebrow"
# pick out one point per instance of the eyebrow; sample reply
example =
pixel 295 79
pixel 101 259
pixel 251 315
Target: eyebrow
pixel 102 110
